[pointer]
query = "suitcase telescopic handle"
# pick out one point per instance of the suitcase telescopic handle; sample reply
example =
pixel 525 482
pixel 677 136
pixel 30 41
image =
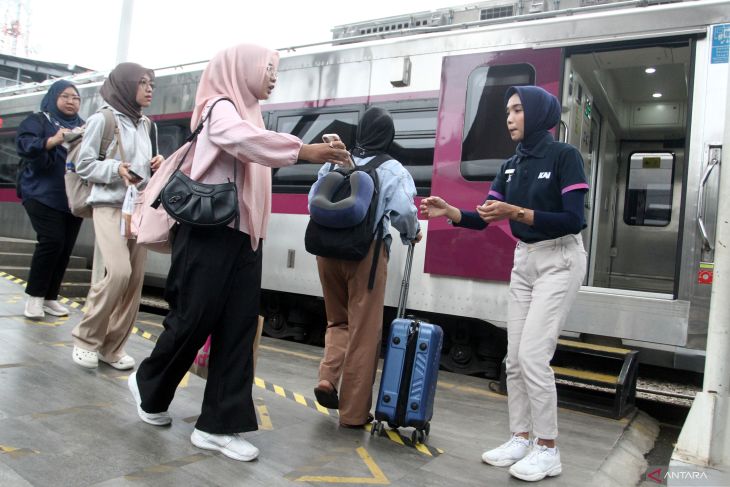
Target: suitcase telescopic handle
pixel 405 283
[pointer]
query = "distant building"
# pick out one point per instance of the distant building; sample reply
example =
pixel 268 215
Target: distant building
pixel 17 70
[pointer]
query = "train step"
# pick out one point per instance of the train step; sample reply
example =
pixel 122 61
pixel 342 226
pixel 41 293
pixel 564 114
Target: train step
pixel 16 245
pixel 593 378
pixel 23 260
pixel 71 275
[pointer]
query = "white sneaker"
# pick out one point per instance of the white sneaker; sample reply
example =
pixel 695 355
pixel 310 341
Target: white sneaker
pixel 507 453
pixel 127 362
pixel 34 308
pixel 85 358
pixel 156 419
pixel 540 463
pixel 53 307
pixel 232 446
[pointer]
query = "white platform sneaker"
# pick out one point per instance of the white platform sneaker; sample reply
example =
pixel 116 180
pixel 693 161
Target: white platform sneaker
pixel 232 446
pixel 507 453
pixel 53 307
pixel 34 308
pixel 540 463
pixel 157 419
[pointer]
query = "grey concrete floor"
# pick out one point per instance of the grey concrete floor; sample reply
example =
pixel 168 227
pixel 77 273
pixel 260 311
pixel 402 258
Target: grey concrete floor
pixel 62 425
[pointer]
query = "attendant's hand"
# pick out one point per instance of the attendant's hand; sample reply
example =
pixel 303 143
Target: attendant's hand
pixel 435 206
pixel 418 238
pixel 321 153
pixel 494 211
pixel 156 162
pixel 56 139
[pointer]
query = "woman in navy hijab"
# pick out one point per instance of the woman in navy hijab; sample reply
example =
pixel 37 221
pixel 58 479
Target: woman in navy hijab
pixel 42 189
pixel 540 190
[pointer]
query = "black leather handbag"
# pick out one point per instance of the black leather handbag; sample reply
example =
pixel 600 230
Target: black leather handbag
pixel 200 204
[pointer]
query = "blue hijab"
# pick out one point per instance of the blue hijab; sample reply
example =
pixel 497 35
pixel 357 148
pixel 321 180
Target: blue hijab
pixel 49 104
pixel 541 112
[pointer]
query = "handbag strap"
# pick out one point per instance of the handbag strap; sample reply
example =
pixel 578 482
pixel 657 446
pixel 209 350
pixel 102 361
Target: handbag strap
pixel 194 135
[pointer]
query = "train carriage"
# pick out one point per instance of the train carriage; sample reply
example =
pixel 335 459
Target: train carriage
pixel 651 143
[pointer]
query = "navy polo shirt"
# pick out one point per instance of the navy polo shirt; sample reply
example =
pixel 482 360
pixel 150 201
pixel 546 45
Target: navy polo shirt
pixel 538 182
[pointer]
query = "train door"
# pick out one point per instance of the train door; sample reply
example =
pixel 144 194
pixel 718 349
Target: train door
pixel 625 108
pixel 472 142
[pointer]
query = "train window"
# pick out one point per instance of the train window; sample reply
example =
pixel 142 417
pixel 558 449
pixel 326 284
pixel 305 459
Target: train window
pixel 8 160
pixel 310 127
pixel 486 144
pixel 649 189
pixel 172 135
pixel 415 135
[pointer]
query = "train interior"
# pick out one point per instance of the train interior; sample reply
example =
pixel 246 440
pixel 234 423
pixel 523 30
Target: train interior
pixel 626 109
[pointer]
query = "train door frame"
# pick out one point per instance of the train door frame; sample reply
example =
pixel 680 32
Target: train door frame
pixel 609 197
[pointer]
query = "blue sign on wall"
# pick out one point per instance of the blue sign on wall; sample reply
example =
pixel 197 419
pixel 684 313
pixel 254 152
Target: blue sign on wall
pixel 720 44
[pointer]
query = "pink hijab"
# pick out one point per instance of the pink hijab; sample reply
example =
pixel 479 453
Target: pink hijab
pixel 238 73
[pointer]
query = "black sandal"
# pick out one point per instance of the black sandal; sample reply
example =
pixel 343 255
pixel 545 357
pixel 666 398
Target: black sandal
pixel 358 426
pixel 327 398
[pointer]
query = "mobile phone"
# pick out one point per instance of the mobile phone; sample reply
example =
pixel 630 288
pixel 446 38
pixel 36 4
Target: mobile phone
pixel 331 138
pixel 134 175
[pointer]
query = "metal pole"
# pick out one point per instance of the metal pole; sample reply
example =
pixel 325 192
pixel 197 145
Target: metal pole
pixel 125 27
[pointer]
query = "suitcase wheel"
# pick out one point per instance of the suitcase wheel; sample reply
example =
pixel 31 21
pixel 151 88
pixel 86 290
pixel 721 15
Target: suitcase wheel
pixel 378 427
pixel 418 436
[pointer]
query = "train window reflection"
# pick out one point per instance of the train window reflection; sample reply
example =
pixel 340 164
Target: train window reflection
pixel 8 161
pixel 171 136
pixel 649 189
pixel 415 136
pixel 310 127
pixel 486 143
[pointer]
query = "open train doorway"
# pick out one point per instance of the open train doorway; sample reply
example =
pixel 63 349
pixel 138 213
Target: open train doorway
pixel 625 108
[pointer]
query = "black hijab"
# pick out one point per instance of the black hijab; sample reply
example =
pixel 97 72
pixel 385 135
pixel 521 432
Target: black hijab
pixel 541 112
pixel 120 89
pixel 375 133
pixel 49 105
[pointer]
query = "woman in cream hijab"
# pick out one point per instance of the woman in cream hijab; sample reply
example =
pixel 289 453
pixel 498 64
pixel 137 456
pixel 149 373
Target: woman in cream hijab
pixel 215 278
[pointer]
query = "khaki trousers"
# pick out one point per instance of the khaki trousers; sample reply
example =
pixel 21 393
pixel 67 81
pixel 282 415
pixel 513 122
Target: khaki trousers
pixel 113 302
pixel 354 330
pixel 545 280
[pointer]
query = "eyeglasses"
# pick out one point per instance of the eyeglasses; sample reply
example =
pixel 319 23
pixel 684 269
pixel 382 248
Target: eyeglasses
pixel 73 98
pixel 271 71
pixel 146 83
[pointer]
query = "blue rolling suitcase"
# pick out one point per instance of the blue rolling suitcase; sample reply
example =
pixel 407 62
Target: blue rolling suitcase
pixel 410 371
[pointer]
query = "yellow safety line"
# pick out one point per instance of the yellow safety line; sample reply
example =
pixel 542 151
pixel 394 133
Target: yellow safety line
pixel 259 383
pixel 423 449
pixel 378 477
pixel 280 391
pixel 321 408
pixel 265 418
pixel 591 346
pixel 585 374
pixel 396 437
pixel 300 399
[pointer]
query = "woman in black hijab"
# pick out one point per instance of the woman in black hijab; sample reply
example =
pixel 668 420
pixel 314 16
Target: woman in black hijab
pixel 354 307
pixel 42 190
pixel 540 191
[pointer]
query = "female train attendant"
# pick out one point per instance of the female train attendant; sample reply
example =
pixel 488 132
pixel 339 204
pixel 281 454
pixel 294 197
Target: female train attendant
pixel 541 191
pixel 41 187
pixel 214 282
pixel 113 302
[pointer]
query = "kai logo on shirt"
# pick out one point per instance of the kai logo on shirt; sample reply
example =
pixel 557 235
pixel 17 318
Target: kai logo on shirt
pixel 544 175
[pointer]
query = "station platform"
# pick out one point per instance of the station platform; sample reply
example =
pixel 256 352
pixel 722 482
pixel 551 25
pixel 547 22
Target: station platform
pixel 63 425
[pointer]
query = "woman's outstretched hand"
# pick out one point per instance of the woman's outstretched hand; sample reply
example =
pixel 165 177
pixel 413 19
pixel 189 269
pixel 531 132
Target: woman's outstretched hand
pixel 321 153
pixel 435 206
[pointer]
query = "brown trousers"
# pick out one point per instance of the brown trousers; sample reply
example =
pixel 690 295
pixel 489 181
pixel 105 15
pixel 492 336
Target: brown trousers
pixel 354 329
pixel 113 302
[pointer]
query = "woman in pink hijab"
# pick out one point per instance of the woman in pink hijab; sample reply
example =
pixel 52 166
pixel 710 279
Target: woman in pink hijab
pixel 214 282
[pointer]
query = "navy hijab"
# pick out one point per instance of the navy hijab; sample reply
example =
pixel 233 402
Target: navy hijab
pixel 375 133
pixel 541 112
pixel 49 104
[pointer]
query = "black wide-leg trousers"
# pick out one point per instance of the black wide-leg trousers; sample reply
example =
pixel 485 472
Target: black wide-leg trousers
pixel 213 288
pixel 56 232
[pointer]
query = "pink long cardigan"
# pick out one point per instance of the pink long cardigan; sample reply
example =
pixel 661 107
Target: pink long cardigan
pixel 227 139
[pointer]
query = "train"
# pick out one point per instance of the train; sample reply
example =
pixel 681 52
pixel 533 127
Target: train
pixel 642 86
